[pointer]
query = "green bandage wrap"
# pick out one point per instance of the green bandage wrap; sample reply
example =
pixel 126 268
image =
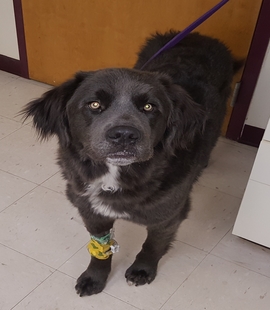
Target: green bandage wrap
pixel 104 239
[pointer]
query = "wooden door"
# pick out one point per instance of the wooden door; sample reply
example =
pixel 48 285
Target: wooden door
pixel 64 36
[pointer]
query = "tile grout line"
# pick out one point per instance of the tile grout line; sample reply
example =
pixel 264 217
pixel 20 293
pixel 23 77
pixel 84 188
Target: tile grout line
pixel 55 191
pixel 12 249
pixel 222 238
pixel 208 253
pixel 33 289
pixel 192 246
pixel 218 190
pixel 22 125
pixel 58 268
pixel 31 190
pixel 63 273
pixel 129 304
pixel 19 177
pixel 27 180
pixel 260 182
pixel 19 199
pixel 233 262
pixel 185 280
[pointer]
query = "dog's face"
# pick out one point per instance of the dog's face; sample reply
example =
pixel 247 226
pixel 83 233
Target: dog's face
pixel 117 116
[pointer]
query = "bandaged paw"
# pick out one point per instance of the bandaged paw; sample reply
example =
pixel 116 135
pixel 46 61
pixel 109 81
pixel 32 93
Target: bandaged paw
pixel 102 248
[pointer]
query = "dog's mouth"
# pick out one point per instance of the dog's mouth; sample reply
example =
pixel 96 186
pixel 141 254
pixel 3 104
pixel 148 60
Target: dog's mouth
pixel 122 158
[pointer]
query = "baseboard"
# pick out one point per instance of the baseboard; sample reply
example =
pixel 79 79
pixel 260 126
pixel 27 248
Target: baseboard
pixel 251 135
pixel 10 65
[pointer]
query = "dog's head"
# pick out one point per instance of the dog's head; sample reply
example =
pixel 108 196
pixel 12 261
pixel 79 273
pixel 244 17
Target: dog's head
pixel 117 116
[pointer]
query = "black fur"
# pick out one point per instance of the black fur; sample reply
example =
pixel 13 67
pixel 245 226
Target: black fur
pixel 159 153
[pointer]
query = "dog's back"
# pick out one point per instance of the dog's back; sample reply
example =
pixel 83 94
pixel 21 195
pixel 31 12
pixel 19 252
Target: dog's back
pixel 204 67
pixel 200 64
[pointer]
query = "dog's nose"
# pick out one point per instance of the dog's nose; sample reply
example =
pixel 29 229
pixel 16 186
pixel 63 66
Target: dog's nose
pixel 123 135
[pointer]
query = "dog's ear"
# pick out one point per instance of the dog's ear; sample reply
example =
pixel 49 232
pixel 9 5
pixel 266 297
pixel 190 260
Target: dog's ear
pixel 49 111
pixel 185 121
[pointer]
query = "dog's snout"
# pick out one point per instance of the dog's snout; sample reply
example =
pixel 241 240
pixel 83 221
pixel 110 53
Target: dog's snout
pixel 123 135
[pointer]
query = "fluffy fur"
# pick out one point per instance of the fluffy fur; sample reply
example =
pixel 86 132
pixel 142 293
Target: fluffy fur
pixel 132 142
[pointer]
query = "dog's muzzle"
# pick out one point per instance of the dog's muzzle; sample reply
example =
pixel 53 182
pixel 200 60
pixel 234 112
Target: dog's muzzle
pixel 123 135
pixel 126 145
pixel 123 141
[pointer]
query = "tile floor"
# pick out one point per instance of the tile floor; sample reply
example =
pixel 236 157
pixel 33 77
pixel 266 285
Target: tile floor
pixel 43 241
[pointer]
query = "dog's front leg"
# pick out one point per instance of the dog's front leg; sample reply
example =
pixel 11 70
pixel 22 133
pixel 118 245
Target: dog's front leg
pixel 93 279
pixel 157 243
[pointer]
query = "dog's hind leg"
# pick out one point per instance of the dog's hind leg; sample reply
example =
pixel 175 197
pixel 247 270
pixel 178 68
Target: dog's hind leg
pixel 93 279
pixel 157 243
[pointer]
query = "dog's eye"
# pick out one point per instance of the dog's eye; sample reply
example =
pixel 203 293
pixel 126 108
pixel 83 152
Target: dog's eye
pixel 94 105
pixel 148 107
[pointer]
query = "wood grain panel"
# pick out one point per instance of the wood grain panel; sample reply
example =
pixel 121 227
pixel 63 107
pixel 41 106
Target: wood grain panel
pixel 64 36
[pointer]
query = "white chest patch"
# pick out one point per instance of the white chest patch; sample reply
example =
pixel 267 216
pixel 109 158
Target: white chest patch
pixel 109 180
pixel 107 183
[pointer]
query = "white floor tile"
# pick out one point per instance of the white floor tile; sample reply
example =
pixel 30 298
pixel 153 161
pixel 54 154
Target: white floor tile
pixel 7 126
pixel 6 78
pixel 212 215
pixel 221 285
pixel 23 155
pixel 58 292
pixel 229 168
pixel 16 94
pixel 173 269
pixel 19 275
pixel 12 188
pixel 41 226
pixel 244 253
pixel 56 183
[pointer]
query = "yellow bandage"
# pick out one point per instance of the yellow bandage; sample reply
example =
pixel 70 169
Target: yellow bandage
pixel 102 251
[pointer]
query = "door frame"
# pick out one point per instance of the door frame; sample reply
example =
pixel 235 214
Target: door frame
pixel 17 66
pixel 237 130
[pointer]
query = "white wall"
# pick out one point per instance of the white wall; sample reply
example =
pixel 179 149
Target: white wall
pixel 259 110
pixel 8 34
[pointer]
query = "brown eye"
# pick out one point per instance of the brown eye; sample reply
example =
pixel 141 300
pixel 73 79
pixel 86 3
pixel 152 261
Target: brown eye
pixel 94 105
pixel 148 107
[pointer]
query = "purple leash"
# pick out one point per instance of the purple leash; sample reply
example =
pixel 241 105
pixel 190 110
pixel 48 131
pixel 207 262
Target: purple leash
pixel 187 30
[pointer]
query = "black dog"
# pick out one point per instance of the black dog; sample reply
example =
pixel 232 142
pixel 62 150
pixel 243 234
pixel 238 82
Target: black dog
pixel 132 143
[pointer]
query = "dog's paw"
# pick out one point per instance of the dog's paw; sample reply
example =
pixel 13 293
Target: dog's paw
pixel 140 276
pixel 86 286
